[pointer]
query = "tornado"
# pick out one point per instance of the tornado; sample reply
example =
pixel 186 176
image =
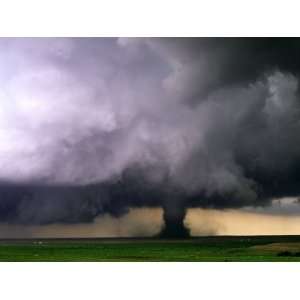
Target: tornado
pixel 173 215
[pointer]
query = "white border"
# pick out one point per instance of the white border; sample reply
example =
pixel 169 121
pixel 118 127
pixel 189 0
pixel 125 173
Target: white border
pixel 149 281
pixel 149 18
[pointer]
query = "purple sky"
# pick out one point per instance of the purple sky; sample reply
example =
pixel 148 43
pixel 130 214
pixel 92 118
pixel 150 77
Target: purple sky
pixel 219 118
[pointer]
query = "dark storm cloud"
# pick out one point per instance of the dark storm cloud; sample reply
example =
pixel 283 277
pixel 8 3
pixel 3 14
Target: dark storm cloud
pixel 90 126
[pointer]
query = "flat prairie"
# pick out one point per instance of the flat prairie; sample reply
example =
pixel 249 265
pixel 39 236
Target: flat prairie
pixel 210 249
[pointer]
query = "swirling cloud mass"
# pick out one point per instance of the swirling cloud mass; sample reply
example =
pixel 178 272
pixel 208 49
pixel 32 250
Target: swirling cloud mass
pixel 98 125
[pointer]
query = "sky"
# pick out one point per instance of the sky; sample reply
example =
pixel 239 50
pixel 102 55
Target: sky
pixel 149 136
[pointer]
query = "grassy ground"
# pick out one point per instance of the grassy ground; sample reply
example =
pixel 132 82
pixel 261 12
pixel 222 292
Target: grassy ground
pixel 267 248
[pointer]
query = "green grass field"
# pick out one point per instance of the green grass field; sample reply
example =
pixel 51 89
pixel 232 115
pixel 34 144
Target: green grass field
pixel 243 249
